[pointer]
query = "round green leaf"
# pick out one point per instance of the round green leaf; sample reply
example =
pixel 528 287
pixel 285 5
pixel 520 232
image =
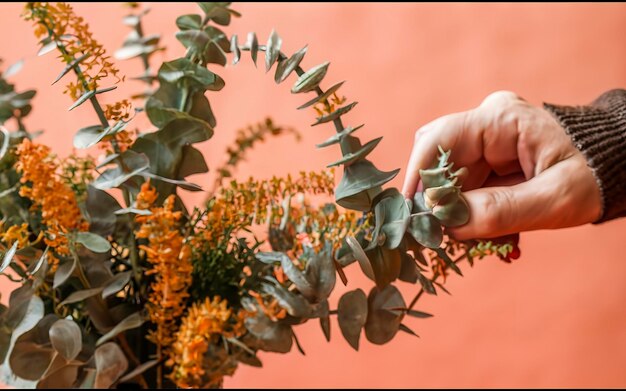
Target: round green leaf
pixel 111 363
pixel 309 80
pixel 383 323
pixel 93 242
pixel 352 315
pixel 426 229
pixel 66 338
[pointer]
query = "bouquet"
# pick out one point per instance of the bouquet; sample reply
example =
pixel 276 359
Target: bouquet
pixel 117 281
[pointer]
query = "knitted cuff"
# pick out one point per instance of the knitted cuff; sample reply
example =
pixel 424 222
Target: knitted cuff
pixel 599 132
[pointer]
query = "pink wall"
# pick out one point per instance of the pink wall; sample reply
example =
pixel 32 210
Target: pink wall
pixel 554 318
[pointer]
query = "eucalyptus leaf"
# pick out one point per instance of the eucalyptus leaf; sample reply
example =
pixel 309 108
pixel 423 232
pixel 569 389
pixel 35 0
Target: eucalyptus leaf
pixel 35 266
pixel 418 314
pixel 182 69
pixel 47 48
pixel 71 66
pixel 310 79
pixel 6 138
pixel 325 325
pixel 192 162
pixel 352 315
pixel 321 98
pixel 286 66
pixel 94 242
pixel 217 46
pixel 360 256
pixel 320 272
pixel 141 212
pixel 29 360
pixel 453 214
pixel 295 305
pixel 336 138
pixel 132 321
pixel 127 52
pixel 66 338
pixel 116 284
pixel 183 184
pixel 434 177
pixel 253 44
pixel 386 265
pixel 189 22
pixel 100 207
pixel 395 219
pixel 14 68
pixel 292 272
pixel 273 336
pixel 89 136
pixel 195 39
pixel 83 98
pixel 218 12
pixel 81 295
pixel 272 49
pixel 448 261
pixel 64 271
pixel 8 256
pixel 234 48
pixel 111 363
pixel 359 178
pixel 130 163
pixel 352 157
pixel 382 325
pixel 335 114
pixel 407 330
pixel 408 269
pixel 107 89
pixel 426 229
pixel 138 370
pixel 62 378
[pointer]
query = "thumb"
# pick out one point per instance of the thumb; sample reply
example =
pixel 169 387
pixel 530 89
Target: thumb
pixel 549 200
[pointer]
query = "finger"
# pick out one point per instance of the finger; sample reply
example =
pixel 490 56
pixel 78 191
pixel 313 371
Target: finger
pixel 477 175
pixel 545 201
pixel 504 180
pixel 447 132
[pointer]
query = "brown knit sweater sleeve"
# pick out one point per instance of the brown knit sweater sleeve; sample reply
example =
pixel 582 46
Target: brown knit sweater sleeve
pixel 599 132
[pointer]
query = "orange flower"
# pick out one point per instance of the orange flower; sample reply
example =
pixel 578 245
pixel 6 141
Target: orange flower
pixel 269 306
pixel 49 193
pixel 170 257
pixel 17 233
pixel 59 21
pixel 118 110
pixel 205 322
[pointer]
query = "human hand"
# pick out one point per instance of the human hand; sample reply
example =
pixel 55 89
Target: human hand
pixel 524 171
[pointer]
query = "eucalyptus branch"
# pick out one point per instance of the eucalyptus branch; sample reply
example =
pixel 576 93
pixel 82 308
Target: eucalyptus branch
pixel 134 255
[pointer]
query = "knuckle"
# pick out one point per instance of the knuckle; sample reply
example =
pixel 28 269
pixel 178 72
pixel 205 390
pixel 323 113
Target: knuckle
pixel 420 132
pixel 499 97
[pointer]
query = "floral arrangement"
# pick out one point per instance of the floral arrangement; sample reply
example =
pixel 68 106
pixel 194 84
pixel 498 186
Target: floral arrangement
pixel 117 281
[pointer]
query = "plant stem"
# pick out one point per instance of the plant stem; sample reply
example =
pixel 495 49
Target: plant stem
pixel 433 279
pixel 133 358
pixel 134 255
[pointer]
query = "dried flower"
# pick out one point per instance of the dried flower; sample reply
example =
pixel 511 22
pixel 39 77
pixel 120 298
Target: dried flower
pixel 49 193
pixel 118 110
pixel 59 21
pixel 269 306
pixel 205 322
pixel 169 256
pixel 17 233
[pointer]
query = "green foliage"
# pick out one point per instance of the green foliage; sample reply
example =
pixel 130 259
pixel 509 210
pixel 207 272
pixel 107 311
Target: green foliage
pixel 79 317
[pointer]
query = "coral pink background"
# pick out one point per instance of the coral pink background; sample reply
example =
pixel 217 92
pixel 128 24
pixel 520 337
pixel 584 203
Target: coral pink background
pixel 555 317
